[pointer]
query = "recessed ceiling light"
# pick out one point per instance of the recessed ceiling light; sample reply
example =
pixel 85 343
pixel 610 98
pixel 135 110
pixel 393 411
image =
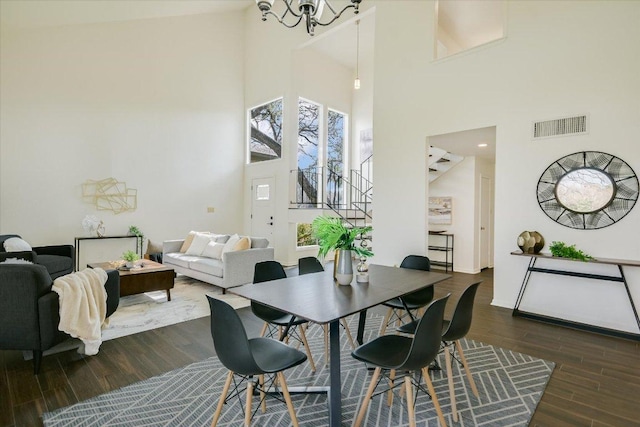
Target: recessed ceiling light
pixel 482 145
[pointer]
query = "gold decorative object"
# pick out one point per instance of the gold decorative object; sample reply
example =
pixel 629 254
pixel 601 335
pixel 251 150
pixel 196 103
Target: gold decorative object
pixel 530 242
pixel 110 194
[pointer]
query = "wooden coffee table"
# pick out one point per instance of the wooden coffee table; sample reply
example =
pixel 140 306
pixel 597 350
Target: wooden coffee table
pixel 150 276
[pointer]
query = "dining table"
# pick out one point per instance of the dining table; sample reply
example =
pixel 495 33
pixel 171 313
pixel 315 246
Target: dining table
pixel 318 298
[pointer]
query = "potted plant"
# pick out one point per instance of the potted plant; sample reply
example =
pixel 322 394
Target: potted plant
pixel 135 231
pixel 130 257
pixel 334 235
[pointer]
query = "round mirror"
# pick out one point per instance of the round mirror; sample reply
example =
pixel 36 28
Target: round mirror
pixel 585 190
pixel 588 190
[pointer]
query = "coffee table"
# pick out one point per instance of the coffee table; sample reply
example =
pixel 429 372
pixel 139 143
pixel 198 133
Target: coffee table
pixel 150 276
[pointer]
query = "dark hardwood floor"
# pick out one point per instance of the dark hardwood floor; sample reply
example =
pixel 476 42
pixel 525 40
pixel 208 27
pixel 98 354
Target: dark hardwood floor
pixel 596 381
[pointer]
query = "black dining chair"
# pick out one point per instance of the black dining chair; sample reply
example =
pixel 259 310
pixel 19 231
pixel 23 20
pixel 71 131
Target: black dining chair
pixel 453 331
pixel 401 355
pixel 309 265
pixel 276 321
pixel 247 358
pixel 414 301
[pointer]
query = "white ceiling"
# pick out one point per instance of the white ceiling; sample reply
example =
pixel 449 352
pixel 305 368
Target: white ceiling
pixel 465 143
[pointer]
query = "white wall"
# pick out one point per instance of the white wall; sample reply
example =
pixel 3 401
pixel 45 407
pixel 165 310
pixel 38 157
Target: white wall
pixel 559 58
pixel 156 103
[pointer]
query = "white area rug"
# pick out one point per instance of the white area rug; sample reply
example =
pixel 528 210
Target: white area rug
pixel 138 313
pixel 143 312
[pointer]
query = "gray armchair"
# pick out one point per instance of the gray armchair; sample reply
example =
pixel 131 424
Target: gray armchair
pixel 58 259
pixel 29 309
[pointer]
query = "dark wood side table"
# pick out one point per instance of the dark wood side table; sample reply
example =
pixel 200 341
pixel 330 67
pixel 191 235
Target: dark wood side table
pixel 576 325
pixel 151 276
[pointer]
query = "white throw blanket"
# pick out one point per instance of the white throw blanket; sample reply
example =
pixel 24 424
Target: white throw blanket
pixel 83 306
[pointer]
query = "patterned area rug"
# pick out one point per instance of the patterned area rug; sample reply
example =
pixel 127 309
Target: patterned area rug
pixel 151 310
pixel 510 385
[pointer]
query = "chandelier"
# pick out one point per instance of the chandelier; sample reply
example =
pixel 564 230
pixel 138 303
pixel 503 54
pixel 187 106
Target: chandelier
pixel 309 11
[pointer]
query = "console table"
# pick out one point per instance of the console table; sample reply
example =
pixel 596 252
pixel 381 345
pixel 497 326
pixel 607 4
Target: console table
pixel 80 239
pixel 576 325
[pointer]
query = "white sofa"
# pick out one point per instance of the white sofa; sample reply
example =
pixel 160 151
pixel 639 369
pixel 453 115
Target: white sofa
pixel 234 269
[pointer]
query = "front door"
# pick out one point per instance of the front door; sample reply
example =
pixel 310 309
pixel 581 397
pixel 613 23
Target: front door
pixel 263 207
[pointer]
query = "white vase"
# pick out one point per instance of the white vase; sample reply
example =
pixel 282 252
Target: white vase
pixel 344 267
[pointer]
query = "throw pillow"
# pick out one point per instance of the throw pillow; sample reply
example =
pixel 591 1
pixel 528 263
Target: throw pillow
pixel 187 241
pixel 231 243
pixel 16 244
pixel 243 244
pixel 200 241
pixel 213 250
pixel 153 247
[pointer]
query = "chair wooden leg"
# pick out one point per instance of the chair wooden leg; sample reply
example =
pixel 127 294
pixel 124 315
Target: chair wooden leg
pixel 263 400
pixel 472 383
pixel 264 329
pixel 452 393
pixel 348 332
pixel 225 390
pixel 308 350
pixel 367 397
pixel 287 399
pixel 247 408
pixel 392 377
pixel 383 326
pixel 410 403
pixel 434 399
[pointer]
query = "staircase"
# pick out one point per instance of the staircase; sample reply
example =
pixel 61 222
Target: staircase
pixel 440 161
pixel 346 197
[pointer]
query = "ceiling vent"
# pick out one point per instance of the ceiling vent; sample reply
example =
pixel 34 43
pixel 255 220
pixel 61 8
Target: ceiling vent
pixel 560 127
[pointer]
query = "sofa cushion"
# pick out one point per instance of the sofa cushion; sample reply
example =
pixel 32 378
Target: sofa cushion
pixel 200 241
pixel 187 241
pixel 213 250
pixel 221 238
pixel 243 244
pixel 55 263
pixel 231 243
pixel 179 259
pixel 259 243
pixel 208 265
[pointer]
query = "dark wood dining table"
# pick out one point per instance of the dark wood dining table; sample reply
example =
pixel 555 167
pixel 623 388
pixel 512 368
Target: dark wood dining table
pixel 318 298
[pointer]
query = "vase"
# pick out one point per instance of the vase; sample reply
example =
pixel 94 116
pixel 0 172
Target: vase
pixel 344 267
pixel 530 242
pixel 363 271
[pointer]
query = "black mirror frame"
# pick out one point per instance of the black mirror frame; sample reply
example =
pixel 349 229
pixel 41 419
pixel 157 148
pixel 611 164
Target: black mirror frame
pixel 622 176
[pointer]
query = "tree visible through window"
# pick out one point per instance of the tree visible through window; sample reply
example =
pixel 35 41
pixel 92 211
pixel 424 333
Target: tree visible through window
pixel 266 132
pixel 308 153
pixel 305 235
pixel 335 158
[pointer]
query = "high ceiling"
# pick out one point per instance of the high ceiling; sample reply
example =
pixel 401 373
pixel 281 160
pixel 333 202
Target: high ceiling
pixel 337 42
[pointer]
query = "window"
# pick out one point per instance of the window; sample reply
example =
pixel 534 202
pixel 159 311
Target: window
pixel 335 158
pixel 465 24
pixel 307 189
pixel 305 235
pixel 266 132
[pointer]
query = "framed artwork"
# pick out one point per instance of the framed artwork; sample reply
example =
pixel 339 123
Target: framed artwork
pixel 440 210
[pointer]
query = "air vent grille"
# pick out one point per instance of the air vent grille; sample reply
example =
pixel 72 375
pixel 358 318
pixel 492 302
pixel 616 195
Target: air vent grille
pixel 560 127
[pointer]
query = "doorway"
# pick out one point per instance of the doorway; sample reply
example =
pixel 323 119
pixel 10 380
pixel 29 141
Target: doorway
pixel 263 192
